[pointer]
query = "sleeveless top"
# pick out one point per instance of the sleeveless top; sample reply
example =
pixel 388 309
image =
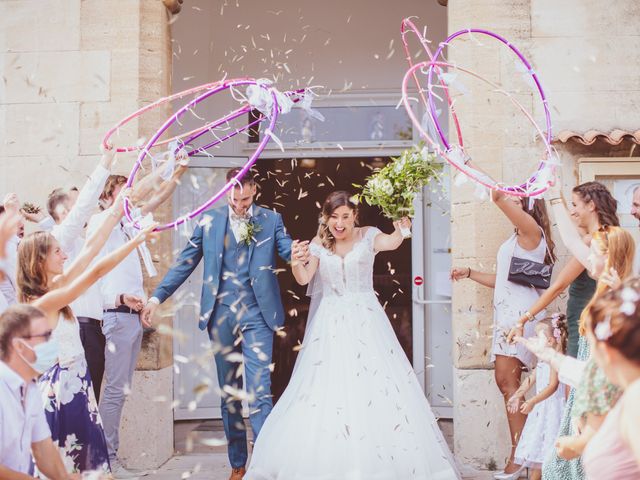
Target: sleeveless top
pixel 580 292
pixel 67 334
pixel 607 455
pixel 511 300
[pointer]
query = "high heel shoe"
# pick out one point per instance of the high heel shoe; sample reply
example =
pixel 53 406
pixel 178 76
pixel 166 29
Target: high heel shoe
pixel 511 476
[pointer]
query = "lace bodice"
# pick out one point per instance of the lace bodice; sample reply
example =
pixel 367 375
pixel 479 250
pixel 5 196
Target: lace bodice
pixel 67 334
pixel 351 274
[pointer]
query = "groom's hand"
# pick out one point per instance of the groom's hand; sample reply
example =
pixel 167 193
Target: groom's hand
pixel 146 316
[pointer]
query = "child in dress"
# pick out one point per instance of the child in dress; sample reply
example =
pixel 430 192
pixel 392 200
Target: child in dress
pixel 544 409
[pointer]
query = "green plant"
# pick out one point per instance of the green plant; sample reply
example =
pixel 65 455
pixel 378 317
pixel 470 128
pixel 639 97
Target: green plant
pixel 394 187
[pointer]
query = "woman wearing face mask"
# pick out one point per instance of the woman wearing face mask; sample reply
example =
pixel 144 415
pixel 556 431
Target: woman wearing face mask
pixel 70 404
pixel 613 326
pixel 354 407
pixel 531 240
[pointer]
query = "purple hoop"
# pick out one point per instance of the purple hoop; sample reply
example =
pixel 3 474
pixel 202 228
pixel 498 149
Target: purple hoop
pixel 273 117
pixel 446 154
pixel 516 190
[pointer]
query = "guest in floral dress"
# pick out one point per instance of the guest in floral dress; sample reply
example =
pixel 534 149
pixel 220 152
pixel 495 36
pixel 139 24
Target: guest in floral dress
pixel 70 405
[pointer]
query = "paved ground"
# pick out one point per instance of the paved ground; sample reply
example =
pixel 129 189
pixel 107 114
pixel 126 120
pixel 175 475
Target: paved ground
pixel 199 458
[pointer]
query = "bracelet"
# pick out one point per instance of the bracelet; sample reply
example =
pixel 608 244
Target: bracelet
pixel 468 272
pixel 529 316
pixel 553 201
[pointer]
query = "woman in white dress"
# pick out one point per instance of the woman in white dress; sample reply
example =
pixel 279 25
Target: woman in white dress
pixel 354 408
pixel 530 240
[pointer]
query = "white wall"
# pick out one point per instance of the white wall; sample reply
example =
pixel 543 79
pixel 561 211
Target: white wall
pixel 349 46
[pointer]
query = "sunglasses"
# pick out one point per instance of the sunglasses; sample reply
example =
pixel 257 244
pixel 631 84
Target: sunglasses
pixel 46 335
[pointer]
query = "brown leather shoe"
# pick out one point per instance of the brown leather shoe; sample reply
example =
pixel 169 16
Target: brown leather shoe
pixel 237 473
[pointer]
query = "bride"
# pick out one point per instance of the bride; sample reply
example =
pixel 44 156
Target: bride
pixel 354 408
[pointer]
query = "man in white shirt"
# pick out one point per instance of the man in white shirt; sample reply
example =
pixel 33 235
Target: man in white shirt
pixel 23 428
pixel 123 296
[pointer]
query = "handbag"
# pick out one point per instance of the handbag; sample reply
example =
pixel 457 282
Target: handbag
pixel 529 272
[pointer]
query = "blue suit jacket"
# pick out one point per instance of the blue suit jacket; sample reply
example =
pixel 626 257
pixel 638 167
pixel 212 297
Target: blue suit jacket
pixel 208 242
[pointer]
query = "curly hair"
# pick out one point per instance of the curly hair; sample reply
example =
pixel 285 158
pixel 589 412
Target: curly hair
pixel 334 201
pixel 604 202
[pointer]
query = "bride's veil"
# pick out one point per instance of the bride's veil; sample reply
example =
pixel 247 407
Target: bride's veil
pixel 314 291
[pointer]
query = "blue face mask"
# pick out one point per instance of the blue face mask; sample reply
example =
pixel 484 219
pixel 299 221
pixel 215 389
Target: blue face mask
pixel 46 355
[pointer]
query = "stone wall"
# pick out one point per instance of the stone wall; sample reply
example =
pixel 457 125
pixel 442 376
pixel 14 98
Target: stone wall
pixel 586 55
pixel 70 70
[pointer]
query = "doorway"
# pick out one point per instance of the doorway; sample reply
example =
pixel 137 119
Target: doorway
pixel 296 189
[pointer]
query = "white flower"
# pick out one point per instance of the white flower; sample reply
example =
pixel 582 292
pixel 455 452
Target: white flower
pixel 603 329
pixel 68 386
pixel 629 298
pixel 243 230
pixel 387 186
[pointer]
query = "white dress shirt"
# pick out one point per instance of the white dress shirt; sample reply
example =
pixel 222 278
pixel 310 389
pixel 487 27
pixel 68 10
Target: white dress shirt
pixel 126 277
pixel 22 420
pixel 70 231
pixel 69 234
pixel 235 223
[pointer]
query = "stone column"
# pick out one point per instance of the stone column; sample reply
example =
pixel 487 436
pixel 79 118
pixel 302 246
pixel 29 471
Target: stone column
pixel 481 435
pixel 70 70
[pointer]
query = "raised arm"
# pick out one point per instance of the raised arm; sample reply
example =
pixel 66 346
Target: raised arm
pixel 52 302
pixel 529 232
pixel 568 230
pixel 385 242
pixel 164 191
pixel 72 227
pixel 93 244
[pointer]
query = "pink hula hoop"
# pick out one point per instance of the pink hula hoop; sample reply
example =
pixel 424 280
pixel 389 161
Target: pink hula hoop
pixel 210 89
pixel 408 26
pixel 481 179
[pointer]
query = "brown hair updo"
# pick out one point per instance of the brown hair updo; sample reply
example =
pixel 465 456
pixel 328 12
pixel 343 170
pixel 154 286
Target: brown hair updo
pixel 334 201
pixel 604 202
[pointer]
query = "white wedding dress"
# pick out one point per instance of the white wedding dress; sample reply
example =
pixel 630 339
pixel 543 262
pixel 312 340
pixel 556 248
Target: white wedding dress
pixel 354 408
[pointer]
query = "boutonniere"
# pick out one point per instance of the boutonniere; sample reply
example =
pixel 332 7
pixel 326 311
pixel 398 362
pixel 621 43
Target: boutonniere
pixel 248 230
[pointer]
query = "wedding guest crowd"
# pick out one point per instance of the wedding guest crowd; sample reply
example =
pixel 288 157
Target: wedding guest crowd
pixel 578 424
pixel 570 380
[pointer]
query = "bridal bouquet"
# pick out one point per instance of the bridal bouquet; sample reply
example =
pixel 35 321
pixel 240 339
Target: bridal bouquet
pixel 394 187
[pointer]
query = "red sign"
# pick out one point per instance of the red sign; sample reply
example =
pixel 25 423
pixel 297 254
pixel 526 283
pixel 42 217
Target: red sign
pixel 418 280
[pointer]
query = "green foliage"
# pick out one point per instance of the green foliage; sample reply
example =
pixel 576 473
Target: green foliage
pixel 394 187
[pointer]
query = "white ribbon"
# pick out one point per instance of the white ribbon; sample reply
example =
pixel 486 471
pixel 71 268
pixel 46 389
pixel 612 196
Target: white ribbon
pixel 305 104
pixel 145 254
pixel 260 97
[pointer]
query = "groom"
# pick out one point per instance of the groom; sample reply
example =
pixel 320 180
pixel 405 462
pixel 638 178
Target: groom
pixel 240 303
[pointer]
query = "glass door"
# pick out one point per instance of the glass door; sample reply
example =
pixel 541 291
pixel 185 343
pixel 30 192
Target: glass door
pixel 195 384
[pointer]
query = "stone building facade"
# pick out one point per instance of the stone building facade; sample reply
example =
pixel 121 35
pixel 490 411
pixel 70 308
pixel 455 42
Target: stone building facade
pixel 72 68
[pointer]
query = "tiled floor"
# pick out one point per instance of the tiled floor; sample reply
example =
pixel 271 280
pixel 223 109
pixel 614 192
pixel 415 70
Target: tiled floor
pixel 199 455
